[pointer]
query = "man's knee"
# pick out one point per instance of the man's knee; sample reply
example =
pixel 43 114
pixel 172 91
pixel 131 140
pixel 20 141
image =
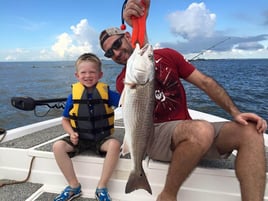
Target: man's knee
pixel 249 133
pixel 196 132
pixel 246 135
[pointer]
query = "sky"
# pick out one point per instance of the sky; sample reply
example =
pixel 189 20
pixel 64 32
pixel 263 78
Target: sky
pixel 38 30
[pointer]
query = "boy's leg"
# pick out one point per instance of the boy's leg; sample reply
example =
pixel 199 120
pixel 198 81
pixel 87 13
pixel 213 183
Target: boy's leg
pixel 60 150
pixel 112 149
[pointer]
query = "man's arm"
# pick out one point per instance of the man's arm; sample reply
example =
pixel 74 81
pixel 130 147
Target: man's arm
pixel 214 91
pixel 221 97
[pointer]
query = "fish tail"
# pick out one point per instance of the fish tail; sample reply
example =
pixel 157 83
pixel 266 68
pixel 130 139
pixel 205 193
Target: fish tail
pixel 124 149
pixel 137 180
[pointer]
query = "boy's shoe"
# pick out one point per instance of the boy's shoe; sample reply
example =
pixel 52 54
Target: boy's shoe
pixel 69 193
pixel 102 194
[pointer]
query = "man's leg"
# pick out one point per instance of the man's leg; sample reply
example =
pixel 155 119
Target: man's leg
pixel 190 141
pixel 250 162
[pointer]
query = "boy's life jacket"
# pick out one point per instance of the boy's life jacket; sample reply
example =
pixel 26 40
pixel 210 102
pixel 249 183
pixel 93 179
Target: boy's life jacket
pixel 92 118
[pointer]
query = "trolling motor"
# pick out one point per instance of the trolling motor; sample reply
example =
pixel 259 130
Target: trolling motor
pixel 23 103
pixel 28 104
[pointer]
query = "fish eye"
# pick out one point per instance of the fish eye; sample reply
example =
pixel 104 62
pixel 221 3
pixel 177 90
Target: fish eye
pixel 150 56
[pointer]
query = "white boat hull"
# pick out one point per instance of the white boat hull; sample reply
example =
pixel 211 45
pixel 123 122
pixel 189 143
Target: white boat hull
pixel 207 184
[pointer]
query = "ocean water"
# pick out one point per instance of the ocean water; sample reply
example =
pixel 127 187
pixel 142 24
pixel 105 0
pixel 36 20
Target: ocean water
pixel 246 81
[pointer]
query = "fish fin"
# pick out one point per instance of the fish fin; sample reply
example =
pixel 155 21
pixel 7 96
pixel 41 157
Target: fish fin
pixel 124 149
pixel 137 180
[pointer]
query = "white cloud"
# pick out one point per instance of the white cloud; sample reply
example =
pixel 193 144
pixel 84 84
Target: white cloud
pixel 64 41
pixel 194 22
pixel 69 45
pixel 82 39
pixel 84 34
pixel 194 29
pixel 10 58
pixel 250 46
pixel 13 55
pixel 195 25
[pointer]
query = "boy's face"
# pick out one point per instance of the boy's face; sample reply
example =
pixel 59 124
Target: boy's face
pixel 88 73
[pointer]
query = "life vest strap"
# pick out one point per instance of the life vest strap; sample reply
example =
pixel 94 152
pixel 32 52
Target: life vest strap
pixel 94 130
pixel 90 102
pixel 92 118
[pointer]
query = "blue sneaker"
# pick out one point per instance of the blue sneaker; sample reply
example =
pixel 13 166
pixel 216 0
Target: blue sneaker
pixel 69 194
pixel 102 194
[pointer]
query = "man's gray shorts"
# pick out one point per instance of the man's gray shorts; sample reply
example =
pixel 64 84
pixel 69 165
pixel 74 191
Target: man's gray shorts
pixel 160 143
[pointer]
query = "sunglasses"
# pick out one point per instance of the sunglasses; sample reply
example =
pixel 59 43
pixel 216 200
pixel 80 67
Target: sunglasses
pixel 115 46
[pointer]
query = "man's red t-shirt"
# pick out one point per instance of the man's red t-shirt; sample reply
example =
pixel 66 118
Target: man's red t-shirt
pixel 170 97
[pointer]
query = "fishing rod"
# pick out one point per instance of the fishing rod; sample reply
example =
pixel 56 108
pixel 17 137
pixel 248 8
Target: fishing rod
pixel 202 52
pixel 28 103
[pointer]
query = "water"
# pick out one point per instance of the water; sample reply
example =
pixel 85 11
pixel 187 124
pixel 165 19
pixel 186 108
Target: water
pixel 246 81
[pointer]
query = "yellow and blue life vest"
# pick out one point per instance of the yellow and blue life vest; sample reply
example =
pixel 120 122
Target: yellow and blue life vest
pixel 92 118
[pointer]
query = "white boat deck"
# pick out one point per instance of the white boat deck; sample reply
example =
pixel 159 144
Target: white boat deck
pixel 204 184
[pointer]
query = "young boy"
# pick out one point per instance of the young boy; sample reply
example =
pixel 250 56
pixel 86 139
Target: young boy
pixel 89 120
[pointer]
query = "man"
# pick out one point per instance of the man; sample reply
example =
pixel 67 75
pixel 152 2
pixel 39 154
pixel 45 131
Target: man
pixel 178 138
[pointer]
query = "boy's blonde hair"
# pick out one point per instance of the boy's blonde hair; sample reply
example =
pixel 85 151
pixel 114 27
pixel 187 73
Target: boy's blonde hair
pixel 88 57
